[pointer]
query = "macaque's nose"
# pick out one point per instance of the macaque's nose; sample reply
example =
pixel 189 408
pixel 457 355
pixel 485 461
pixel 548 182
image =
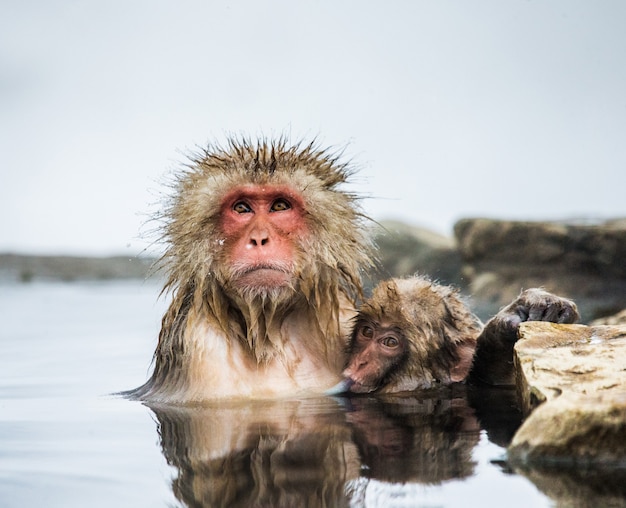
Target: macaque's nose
pixel 355 367
pixel 259 237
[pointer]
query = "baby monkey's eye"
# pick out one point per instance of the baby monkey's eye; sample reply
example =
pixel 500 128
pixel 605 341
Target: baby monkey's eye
pixel 390 342
pixel 367 331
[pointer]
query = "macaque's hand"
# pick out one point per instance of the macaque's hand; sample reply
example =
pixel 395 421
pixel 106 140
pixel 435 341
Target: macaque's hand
pixel 493 362
pixel 532 305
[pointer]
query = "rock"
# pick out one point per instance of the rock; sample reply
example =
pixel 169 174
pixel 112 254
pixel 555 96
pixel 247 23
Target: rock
pixel 616 319
pixel 571 380
pixel 578 260
pixel 579 487
pixel 552 360
pixel 574 431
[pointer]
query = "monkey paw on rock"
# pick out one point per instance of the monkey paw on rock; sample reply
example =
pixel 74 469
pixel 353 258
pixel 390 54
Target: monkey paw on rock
pixel 532 305
pixel 493 361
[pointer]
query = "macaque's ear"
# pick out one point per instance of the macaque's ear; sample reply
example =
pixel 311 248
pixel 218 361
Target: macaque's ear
pixel 461 329
pixel 465 351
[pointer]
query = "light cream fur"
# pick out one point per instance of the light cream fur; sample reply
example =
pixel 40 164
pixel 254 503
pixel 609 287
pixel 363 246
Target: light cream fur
pixel 218 340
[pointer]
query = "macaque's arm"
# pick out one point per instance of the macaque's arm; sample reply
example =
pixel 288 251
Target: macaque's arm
pixel 493 360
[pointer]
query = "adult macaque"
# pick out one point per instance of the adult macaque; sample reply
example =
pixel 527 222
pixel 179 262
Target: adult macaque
pixel 415 334
pixel 264 254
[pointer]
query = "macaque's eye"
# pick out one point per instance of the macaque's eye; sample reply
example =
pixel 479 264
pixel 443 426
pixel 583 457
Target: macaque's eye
pixel 242 207
pixel 390 342
pixel 280 205
pixel 367 331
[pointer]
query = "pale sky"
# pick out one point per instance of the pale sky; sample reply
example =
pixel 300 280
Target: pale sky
pixel 449 108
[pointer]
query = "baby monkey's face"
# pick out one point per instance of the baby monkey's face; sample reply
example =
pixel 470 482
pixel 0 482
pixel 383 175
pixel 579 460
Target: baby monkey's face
pixel 376 350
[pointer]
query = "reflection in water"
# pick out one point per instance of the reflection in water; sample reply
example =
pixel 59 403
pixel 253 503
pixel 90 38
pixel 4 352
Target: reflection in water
pixel 314 452
pixel 427 440
pixel 282 453
pixel 580 487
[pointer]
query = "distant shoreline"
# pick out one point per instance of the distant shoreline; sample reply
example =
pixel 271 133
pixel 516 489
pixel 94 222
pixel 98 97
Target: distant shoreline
pixel 26 268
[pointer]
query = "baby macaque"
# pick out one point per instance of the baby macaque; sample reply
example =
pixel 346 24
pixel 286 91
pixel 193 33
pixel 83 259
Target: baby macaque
pixel 416 334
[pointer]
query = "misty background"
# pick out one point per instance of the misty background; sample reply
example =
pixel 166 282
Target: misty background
pixel 448 108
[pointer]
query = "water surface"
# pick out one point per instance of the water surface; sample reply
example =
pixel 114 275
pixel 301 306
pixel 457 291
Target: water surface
pixel 65 442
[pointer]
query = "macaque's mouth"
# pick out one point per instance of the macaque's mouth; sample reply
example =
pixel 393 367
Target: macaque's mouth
pixel 349 385
pixel 265 269
pixel 342 386
pixel 242 271
pixel 357 387
pixel 264 276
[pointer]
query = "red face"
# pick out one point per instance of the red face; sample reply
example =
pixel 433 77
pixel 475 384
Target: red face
pixel 375 351
pixel 262 225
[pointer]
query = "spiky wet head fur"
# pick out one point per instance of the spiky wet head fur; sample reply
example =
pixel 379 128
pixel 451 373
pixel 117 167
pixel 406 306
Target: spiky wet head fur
pixel 435 322
pixel 328 262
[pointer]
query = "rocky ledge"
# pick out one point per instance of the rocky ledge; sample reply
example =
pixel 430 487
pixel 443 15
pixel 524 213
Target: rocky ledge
pixel 492 260
pixel 571 380
pixel 581 260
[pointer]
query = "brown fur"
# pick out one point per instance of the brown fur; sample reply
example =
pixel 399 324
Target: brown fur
pixel 252 329
pixel 439 330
